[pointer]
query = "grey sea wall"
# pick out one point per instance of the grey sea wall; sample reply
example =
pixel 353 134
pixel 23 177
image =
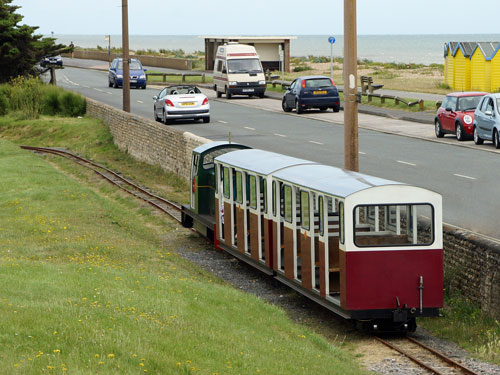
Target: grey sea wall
pixel 471 262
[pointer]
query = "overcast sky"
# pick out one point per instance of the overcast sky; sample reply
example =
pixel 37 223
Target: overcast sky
pixel 261 17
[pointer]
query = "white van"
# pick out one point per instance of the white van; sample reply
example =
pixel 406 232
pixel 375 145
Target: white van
pixel 238 71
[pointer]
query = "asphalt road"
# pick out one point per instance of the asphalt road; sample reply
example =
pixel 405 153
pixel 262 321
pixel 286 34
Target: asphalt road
pixel 467 178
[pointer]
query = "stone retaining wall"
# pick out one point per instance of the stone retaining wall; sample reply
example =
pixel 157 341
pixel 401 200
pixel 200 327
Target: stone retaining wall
pixel 148 141
pixel 472 264
pixel 161 62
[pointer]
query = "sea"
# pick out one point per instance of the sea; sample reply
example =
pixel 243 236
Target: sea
pixel 418 49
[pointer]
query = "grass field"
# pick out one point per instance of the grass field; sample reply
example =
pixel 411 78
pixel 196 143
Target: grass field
pixel 91 282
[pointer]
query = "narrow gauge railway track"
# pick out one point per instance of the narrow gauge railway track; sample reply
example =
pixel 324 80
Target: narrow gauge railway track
pixel 426 357
pixel 170 208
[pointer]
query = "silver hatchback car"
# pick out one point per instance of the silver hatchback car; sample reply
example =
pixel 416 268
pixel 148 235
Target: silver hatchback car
pixel 487 120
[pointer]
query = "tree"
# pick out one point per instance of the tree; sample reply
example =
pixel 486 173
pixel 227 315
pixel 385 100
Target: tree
pixel 20 47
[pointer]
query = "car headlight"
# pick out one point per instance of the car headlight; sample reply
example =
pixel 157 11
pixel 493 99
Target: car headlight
pixel 262 82
pixel 468 119
pixel 119 76
pixel 142 76
pixel 233 83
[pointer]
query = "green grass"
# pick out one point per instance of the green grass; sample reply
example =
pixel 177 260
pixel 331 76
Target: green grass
pixel 464 323
pixel 91 282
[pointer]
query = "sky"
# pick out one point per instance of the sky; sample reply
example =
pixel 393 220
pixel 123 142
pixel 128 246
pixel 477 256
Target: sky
pixel 260 17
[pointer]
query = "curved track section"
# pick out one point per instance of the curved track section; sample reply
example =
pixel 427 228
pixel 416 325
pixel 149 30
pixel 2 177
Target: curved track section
pixel 170 208
pixel 426 357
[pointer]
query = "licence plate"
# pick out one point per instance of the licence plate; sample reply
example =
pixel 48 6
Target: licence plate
pixel 320 92
pixel 187 103
pixel 247 90
pixel 133 81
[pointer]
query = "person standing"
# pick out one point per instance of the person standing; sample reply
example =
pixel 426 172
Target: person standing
pixel 72 46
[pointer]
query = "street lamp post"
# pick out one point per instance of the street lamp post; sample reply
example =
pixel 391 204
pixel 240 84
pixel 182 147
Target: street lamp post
pixel 351 147
pixel 125 57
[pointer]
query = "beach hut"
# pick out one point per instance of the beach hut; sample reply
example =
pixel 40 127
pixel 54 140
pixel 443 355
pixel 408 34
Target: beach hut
pixel 495 70
pixel 461 65
pixel 481 66
pixel 449 76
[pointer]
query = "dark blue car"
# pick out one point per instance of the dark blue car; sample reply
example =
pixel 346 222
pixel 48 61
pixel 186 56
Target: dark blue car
pixel 137 74
pixel 311 92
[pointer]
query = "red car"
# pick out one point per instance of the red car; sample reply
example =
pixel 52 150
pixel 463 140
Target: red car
pixel 456 115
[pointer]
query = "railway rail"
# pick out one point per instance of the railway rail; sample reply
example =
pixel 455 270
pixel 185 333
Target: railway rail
pixel 170 208
pixel 427 358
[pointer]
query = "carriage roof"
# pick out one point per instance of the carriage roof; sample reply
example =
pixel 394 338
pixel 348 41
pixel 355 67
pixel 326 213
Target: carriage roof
pixel 331 180
pixel 259 161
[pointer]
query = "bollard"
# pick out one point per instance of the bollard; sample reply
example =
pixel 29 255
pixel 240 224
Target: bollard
pixel 164 78
pixel 421 104
pixel 396 100
pixel 183 78
pixel 203 78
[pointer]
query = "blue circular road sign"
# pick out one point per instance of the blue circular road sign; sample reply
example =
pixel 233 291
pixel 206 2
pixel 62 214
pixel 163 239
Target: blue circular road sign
pixel 331 39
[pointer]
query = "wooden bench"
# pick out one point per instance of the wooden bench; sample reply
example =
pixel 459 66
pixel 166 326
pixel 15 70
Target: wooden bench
pixel 368 85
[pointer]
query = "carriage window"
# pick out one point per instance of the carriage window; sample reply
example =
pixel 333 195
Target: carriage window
pixel 287 192
pixel 321 218
pixel 274 198
pixel 253 191
pixel 341 222
pixel 304 209
pixel 393 225
pixel 216 179
pixel 239 187
pixel 263 192
pixel 194 170
pixel 227 188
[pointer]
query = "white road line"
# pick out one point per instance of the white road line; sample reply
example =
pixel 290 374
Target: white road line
pixel 407 163
pixel 316 143
pixel 140 101
pixel 467 177
pixel 86 87
pixel 110 93
pixel 222 122
pixel 361 153
pixel 249 128
pixel 98 90
pixel 280 135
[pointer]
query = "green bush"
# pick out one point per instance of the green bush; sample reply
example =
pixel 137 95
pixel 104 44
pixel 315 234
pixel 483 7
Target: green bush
pixel 51 104
pixel 302 68
pixel 4 104
pixel 26 96
pixel 72 104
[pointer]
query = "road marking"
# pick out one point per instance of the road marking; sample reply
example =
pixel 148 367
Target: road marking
pixel 249 128
pixel 110 93
pixel 407 163
pixel 222 122
pixel 140 101
pixel 98 90
pixel 280 135
pixel 86 87
pixel 316 143
pixel 463 176
pixel 361 153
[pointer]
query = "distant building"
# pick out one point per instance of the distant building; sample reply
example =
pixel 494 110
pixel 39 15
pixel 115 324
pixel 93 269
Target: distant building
pixel 272 50
pixel 472 66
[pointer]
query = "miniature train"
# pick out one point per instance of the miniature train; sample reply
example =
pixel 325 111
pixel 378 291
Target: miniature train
pixel 367 248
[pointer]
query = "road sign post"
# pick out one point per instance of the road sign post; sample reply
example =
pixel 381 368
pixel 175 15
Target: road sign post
pixel 331 40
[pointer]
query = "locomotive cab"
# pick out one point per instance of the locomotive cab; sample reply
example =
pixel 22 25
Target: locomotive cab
pixel 200 213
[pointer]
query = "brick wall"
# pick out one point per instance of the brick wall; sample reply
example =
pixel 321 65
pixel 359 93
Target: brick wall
pixel 472 263
pixel 148 141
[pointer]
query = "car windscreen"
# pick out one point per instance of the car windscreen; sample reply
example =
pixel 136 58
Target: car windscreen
pixel 468 103
pixel 318 82
pixel 134 65
pixel 180 90
pixel 244 66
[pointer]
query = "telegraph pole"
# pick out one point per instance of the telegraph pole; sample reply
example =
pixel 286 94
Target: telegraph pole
pixel 351 147
pixel 125 57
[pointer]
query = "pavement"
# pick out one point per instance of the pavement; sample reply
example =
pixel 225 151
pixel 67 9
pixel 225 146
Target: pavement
pixel 426 117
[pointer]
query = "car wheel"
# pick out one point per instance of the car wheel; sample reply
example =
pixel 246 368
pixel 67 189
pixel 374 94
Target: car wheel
pixel 284 106
pixel 164 118
pixel 496 140
pixel 110 84
pixel 115 84
pixel 437 129
pixel 297 107
pixel 477 139
pixel 261 95
pixel 460 132
pixel 228 94
pixel 336 109
pixel 144 87
pixel 206 120
pixel 155 114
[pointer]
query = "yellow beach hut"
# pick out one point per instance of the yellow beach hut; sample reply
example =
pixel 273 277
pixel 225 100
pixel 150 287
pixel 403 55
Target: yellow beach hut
pixel 449 75
pixel 461 65
pixel 480 59
pixel 495 70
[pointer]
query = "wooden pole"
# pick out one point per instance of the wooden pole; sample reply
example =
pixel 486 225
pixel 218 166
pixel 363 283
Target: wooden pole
pixel 351 147
pixel 125 56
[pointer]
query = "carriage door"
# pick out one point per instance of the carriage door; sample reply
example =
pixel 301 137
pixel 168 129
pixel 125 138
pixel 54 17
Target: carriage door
pixel 254 217
pixel 306 258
